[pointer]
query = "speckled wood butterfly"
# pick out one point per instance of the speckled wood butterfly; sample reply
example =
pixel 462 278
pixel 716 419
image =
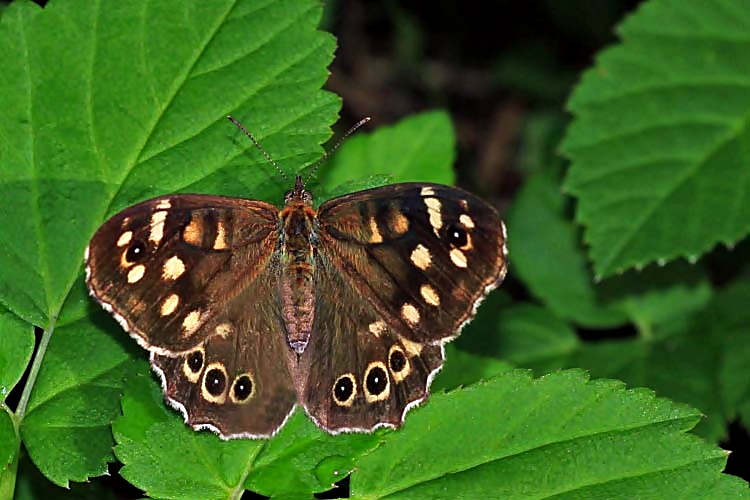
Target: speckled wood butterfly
pixel 249 311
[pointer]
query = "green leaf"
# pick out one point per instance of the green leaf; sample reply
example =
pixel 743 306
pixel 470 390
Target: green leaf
pixel 91 125
pixel 169 460
pixel 548 257
pixel 418 148
pixel 561 435
pixel 546 254
pixel 76 396
pixel 16 348
pixel 705 364
pixel 660 163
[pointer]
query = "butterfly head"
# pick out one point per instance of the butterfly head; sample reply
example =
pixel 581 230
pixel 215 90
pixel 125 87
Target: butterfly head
pixel 298 195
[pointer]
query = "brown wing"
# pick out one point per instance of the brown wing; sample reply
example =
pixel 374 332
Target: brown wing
pixel 165 268
pixel 425 255
pixel 236 383
pixel 399 271
pixel 357 373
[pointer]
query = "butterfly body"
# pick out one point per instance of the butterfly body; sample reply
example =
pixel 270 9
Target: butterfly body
pixel 249 311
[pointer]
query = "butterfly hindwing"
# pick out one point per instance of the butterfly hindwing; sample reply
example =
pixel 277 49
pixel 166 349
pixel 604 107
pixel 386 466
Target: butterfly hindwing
pixel 240 381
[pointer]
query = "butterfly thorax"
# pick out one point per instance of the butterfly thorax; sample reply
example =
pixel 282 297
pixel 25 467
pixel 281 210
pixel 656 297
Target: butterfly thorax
pixel 297 260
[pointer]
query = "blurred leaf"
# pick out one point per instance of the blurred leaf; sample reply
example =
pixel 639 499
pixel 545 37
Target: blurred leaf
pixel 419 148
pixel 660 165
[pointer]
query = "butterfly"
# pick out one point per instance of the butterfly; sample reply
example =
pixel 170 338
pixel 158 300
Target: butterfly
pixel 249 311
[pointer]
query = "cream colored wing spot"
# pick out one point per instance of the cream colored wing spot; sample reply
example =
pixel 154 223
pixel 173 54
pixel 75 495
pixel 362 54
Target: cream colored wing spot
pixel 434 210
pixel 173 268
pixel 136 273
pixel 157 226
pixel 243 389
pixel 398 223
pixel 398 363
pixel 467 221
pixel 344 390
pixel 458 258
pixel 468 245
pixel 214 384
pixel 193 365
pixel 375 236
pixel 376 385
pixel 164 204
pixel 124 238
pixel 377 327
pixel 412 348
pixel 192 234
pixel 427 191
pixel 224 329
pixel 430 295
pixel 410 314
pixel 221 242
pixel 421 257
pixel 169 305
pixel 191 323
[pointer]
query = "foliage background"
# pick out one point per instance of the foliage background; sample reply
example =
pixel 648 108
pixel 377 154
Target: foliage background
pixel 506 75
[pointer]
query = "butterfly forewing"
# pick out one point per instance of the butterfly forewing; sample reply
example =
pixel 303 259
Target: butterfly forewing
pixel 423 254
pixel 167 267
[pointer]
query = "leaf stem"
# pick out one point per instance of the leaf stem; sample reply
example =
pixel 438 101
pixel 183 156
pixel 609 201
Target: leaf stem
pixel 36 364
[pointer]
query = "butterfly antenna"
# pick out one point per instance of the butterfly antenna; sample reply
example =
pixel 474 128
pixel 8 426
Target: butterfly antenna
pixel 257 145
pixel 327 154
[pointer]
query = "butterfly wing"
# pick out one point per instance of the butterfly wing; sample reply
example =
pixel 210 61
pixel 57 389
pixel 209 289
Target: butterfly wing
pixel 165 268
pixel 397 288
pixel 236 383
pixel 194 279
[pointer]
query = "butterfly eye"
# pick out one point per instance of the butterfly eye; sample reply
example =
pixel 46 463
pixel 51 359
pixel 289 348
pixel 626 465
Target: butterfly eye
pixel 457 236
pixel 195 361
pixel 242 389
pixel 397 361
pixel 376 383
pixel 136 251
pixel 344 390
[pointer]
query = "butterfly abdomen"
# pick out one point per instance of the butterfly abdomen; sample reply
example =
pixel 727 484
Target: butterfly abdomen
pixel 296 281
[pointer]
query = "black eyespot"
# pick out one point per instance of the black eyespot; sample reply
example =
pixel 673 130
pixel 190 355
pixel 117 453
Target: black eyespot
pixel 215 382
pixel 195 361
pixel 243 388
pixel 456 236
pixel 376 381
pixel 136 251
pixel 343 389
pixel 397 360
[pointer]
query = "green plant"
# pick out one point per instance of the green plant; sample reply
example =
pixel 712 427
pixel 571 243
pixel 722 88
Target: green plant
pixel 106 105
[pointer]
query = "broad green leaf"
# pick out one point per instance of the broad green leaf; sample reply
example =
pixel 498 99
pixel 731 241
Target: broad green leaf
pixel 169 460
pixel 548 257
pixel 90 125
pixel 16 347
pixel 420 148
pixel 704 365
pixel 658 144
pixel 546 254
pixel 32 485
pixel 561 435
pixel 66 425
